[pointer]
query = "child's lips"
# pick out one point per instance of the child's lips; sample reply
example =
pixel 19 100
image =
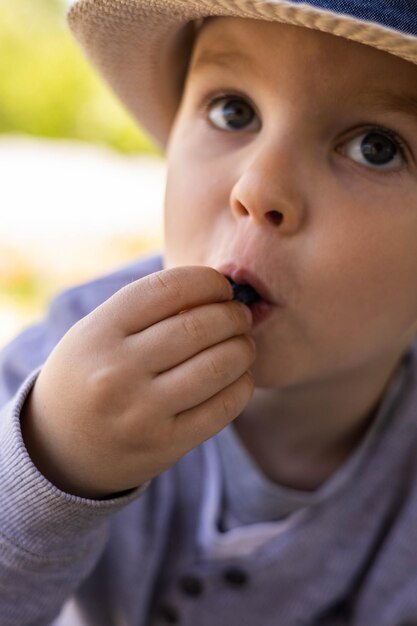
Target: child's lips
pixel 242 276
pixel 261 308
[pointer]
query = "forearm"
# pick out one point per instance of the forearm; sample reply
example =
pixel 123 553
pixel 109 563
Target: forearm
pixel 49 540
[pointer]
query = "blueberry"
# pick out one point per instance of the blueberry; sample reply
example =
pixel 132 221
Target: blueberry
pixel 244 293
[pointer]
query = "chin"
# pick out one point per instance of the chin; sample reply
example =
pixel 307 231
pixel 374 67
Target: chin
pixel 266 377
pixel 274 375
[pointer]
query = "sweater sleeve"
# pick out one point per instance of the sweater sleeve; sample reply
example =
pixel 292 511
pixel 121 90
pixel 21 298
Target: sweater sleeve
pixel 49 540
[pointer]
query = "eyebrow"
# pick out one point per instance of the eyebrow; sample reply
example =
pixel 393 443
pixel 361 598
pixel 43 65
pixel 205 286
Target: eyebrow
pixel 222 59
pixel 389 102
pixel 379 100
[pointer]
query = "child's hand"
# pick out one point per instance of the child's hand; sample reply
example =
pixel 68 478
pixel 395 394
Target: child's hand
pixel 138 382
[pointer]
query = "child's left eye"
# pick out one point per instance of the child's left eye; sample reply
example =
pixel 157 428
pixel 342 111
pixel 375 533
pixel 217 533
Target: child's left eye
pixel 380 149
pixel 232 113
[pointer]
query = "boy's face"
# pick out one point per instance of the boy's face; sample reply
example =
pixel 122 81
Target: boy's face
pixel 276 166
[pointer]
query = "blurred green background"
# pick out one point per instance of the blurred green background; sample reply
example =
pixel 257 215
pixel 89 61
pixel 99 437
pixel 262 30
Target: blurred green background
pixel 53 105
pixel 46 87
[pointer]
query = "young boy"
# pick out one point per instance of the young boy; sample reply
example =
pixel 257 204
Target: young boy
pixel 172 455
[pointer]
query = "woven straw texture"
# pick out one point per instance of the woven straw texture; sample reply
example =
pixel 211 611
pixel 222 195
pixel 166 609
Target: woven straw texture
pixel 141 47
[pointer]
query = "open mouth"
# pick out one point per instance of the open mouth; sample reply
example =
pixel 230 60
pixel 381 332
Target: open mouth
pixel 249 289
pixel 245 293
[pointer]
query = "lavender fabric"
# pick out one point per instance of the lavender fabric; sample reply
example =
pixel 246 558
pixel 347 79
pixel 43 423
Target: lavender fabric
pixel 157 556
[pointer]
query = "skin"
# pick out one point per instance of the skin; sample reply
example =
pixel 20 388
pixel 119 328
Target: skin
pixel 167 362
pixel 119 399
pixel 290 196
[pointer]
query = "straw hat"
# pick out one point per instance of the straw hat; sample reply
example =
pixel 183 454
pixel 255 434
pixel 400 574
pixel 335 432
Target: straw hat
pixel 142 47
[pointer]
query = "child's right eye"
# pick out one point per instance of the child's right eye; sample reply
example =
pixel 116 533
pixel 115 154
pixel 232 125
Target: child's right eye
pixel 231 112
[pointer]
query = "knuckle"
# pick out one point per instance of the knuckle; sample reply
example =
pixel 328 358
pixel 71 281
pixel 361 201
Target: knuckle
pixel 194 328
pixel 236 314
pixel 101 378
pixel 238 394
pixel 157 281
pixel 214 369
pixel 228 405
pixel 101 383
pixel 166 280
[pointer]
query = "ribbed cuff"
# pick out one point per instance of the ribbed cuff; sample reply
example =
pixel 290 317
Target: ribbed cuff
pixel 34 514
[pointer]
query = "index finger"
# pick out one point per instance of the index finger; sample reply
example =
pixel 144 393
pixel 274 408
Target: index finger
pixel 163 294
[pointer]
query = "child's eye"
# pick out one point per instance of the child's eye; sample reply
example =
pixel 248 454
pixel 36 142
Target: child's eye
pixel 379 148
pixel 232 112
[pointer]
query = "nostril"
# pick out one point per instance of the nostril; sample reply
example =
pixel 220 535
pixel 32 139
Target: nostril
pixel 275 217
pixel 241 210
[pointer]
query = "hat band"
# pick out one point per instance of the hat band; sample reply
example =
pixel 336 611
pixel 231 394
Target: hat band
pixel 395 14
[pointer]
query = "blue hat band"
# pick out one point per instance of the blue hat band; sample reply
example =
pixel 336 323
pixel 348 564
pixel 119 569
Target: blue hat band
pixel 400 15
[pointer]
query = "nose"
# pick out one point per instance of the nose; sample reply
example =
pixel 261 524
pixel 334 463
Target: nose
pixel 269 189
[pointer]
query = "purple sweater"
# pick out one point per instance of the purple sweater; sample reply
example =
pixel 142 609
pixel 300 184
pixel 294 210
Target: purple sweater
pixel 347 559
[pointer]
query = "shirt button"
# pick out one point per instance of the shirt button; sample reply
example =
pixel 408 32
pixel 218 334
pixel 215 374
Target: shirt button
pixel 191 585
pixel 169 614
pixel 236 577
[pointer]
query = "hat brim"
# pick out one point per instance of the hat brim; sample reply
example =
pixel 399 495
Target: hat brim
pixel 141 47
